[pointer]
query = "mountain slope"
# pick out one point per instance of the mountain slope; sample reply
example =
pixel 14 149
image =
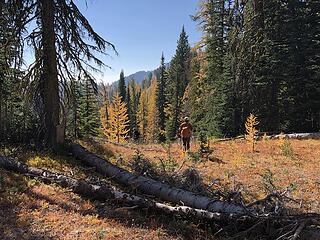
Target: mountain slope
pixel 138 76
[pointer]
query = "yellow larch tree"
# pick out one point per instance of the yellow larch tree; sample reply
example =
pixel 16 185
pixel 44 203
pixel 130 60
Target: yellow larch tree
pixel 251 130
pixel 117 128
pixel 142 114
pixel 104 117
pixel 152 111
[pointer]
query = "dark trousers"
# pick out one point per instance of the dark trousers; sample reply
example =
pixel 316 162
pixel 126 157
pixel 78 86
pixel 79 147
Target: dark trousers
pixel 186 143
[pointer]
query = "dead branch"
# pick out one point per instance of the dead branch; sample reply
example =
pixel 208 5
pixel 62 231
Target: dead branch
pixel 298 231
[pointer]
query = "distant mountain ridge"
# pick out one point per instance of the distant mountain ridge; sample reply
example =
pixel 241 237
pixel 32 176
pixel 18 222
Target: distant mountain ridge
pixel 138 76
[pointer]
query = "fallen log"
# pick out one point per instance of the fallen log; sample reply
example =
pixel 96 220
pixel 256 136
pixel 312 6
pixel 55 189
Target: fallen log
pixel 152 187
pixel 104 192
pixel 299 136
pixel 228 139
pixel 260 136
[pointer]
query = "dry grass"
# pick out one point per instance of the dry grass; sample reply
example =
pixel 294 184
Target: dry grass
pixel 30 209
pixel 294 166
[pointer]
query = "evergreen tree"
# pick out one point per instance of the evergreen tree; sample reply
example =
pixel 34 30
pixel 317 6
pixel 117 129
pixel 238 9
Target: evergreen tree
pixel 273 67
pixel 197 90
pixel 88 110
pixel 16 118
pixel 302 66
pixel 177 83
pixel 312 51
pixel 213 17
pixel 161 100
pixel 72 129
pixel 257 91
pixel 122 86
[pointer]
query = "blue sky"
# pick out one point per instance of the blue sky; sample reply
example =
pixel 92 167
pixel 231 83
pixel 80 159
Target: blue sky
pixel 140 30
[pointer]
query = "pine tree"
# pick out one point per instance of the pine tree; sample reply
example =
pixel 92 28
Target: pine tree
pixel 16 118
pixel 177 83
pixel 5 60
pixel 161 101
pixel 312 50
pixel 213 17
pixel 88 111
pixel 122 86
pixel 257 46
pixel 197 90
pixel 72 128
pixel 271 63
pixel 258 58
pixel 118 120
pixel 302 78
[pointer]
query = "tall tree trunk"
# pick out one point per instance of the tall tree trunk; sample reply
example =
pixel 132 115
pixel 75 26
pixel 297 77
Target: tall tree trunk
pixel 1 100
pixel 1 75
pixel 5 118
pixel 75 107
pixel 50 91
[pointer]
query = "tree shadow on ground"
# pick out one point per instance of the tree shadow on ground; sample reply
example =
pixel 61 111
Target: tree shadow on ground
pixel 131 217
pixel 18 198
pixel 12 224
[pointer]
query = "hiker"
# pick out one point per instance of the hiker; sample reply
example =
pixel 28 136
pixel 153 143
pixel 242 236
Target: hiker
pixel 185 132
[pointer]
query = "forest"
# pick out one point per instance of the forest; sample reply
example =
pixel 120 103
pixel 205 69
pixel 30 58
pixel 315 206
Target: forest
pixel 253 77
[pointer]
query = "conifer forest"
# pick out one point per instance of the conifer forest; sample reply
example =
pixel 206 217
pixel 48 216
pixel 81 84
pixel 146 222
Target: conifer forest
pixel 85 159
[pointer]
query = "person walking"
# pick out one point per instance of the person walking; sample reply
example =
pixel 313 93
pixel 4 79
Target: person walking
pixel 185 131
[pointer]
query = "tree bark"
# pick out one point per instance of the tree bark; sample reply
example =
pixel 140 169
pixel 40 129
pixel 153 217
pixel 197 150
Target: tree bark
pixel 49 77
pixel 1 74
pixel 155 188
pixel 1 100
